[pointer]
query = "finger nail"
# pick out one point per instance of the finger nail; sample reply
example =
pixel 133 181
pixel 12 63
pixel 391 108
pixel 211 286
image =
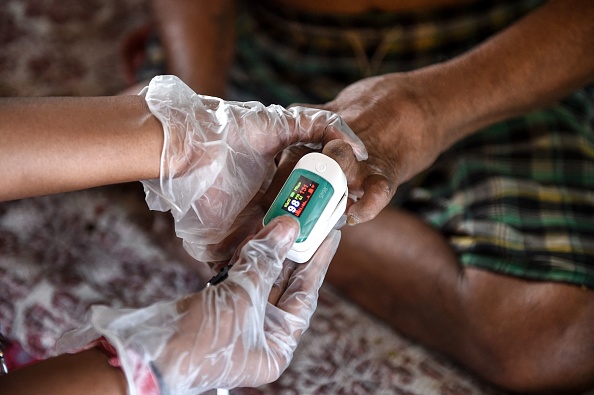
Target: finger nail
pixel 352 220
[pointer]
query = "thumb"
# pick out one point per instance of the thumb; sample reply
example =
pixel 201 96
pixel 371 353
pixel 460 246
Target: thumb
pixel 259 263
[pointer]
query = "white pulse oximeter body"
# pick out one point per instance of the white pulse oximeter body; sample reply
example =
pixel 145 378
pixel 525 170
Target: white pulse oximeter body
pixel 316 195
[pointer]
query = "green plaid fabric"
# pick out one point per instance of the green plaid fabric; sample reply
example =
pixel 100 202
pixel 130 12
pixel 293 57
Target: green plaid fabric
pixel 518 197
pixel 285 57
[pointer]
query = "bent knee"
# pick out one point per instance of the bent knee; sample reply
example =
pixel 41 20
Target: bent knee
pixel 522 370
pixel 529 337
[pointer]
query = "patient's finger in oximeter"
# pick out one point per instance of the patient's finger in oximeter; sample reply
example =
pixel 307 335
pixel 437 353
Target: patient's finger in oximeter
pixel 316 195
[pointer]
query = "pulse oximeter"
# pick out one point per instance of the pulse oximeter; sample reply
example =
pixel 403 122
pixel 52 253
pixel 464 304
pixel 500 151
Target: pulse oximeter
pixel 316 195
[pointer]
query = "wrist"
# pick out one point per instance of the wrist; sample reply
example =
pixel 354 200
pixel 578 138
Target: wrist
pixel 422 106
pixel 449 97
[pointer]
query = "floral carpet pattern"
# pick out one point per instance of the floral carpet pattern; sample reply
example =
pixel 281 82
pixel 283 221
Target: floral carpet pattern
pixel 51 47
pixel 60 254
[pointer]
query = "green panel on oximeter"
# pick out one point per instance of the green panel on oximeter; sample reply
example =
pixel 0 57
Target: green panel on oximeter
pixel 305 195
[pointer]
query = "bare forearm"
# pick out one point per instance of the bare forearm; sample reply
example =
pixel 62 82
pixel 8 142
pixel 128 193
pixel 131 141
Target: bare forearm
pixel 198 36
pixel 538 60
pixel 87 373
pixel 51 145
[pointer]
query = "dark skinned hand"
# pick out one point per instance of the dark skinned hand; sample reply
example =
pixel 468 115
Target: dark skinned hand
pixel 399 129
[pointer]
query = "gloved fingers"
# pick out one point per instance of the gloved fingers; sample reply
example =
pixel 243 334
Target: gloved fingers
pixel 218 254
pixel 259 261
pixel 286 322
pixel 282 281
pixel 342 153
pixel 316 126
pixel 372 189
pixel 301 294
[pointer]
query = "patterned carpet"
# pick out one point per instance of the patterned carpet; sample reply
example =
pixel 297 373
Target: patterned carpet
pixel 60 254
pixel 52 48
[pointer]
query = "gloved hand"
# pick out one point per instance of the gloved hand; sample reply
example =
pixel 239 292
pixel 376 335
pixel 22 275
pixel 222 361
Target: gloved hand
pixel 241 332
pixel 219 158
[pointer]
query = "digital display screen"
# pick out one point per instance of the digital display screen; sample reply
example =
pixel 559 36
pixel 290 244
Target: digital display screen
pixel 300 195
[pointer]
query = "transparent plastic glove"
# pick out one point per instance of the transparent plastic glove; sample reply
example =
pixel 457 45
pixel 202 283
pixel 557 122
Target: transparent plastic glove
pixel 241 332
pixel 218 159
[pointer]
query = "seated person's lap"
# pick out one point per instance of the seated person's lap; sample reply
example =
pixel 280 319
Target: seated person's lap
pixel 517 198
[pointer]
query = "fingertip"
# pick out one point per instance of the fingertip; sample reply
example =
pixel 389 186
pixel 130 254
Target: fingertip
pixel 338 148
pixel 363 211
pixel 342 152
pixel 262 255
pixel 352 220
pixel 378 193
pixel 283 228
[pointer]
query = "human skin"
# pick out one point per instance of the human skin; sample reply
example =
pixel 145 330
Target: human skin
pixel 52 145
pixel 49 146
pixel 198 37
pixel 406 121
pixel 448 101
pixel 87 372
pixel 428 295
pixel 521 335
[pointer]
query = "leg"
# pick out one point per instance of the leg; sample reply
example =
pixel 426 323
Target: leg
pixel 520 335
